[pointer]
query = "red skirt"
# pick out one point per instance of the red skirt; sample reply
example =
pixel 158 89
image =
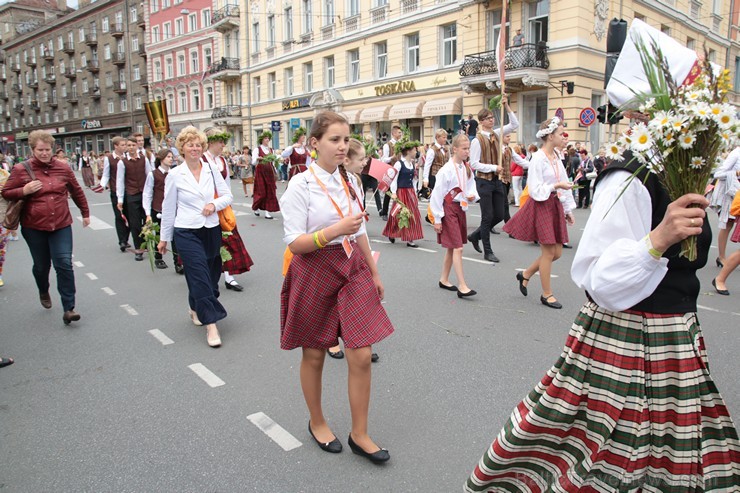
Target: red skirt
pixel 87 176
pixel 414 230
pixel 539 221
pixel 736 234
pixel 454 226
pixel 265 189
pixel 295 169
pixel 240 260
pixel 325 296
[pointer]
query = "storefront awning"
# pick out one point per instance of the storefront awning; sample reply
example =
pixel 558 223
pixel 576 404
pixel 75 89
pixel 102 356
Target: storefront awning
pixel 352 116
pixel 443 107
pixel 375 114
pixel 403 111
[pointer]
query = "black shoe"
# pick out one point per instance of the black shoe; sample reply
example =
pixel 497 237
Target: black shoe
pixel 128 245
pixel 491 257
pixel 475 243
pixel 234 286
pixel 160 264
pixel 495 232
pixel 392 240
pixel 179 269
pixel 374 358
pixel 723 292
pixel 122 246
pixel 567 245
pixel 522 288
pixel 338 355
pixel 70 316
pixel 411 244
pixel 551 304
pixel 334 447
pixel 472 292
pixel 448 288
pixel 378 457
pixel 384 217
pixel 139 257
pixel 719 263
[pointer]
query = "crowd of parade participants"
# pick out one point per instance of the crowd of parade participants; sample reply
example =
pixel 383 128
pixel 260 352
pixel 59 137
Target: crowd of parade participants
pixel 641 298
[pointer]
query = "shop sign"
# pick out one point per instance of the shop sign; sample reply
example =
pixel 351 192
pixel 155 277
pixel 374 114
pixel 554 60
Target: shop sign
pixel 395 88
pixel 21 135
pixel 90 124
pixel 293 104
pixel 295 123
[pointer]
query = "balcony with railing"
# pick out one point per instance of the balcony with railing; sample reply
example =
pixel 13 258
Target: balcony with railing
pixel 35 106
pixel 95 93
pixel 70 73
pixel 3 77
pixel 227 115
pixel 225 19
pixel 52 102
pixel 409 6
pixel 2 57
pixel 73 98
pixel 352 23
pixel 50 79
pixel 3 95
pixel 118 58
pixel 378 15
pixel 142 50
pixel 69 48
pixel 91 39
pixel 48 56
pixel 31 62
pixel 15 67
pixel 226 69
pixel 19 108
pixel 119 87
pixel 17 87
pixel 33 84
pixel 93 66
pixel 116 30
pixel 525 65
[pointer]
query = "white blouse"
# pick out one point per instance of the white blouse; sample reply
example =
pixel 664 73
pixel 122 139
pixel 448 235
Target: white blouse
pixel 185 198
pixel 448 178
pixel 256 153
pixel 612 262
pixel 306 208
pixel 429 159
pixel 289 150
pixel 542 177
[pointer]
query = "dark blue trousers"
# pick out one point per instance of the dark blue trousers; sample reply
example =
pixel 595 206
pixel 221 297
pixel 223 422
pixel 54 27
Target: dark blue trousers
pixel 55 247
pixel 200 252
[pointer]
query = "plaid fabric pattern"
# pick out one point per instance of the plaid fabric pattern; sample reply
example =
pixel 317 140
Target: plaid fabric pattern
pixel 454 226
pixel 414 231
pixel 265 189
pixel 326 295
pixel 539 221
pixel 240 260
pixel 736 234
pixel 87 176
pixel 630 406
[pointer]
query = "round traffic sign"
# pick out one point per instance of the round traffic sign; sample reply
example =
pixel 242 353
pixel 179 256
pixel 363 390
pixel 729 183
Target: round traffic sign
pixel 560 113
pixel 587 116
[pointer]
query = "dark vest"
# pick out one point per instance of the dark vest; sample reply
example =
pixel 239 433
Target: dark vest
pixel 441 156
pixel 261 154
pixel 158 195
pixel 679 289
pixel 488 154
pixel 298 159
pixel 84 162
pixel 135 175
pixel 113 170
pixel 405 177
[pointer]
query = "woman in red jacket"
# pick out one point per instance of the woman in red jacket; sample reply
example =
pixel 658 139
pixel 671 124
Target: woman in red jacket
pixel 46 221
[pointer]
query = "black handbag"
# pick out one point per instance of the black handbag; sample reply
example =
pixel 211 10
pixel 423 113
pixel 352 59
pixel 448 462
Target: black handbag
pixel 15 207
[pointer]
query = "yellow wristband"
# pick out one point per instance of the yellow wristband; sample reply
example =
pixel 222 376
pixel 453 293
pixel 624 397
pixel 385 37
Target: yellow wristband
pixel 322 236
pixel 651 250
pixel 316 241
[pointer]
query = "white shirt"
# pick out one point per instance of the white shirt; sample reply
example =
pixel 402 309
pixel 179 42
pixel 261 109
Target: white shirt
pixel 218 162
pixel 121 174
pixel 397 166
pixel 148 193
pixel 256 153
pixel 429 159
pixel 729 166
pixel 612 262
pixel 542 177
pixel 185 198
pixel 106 168
pixel 448 177
pixel 306 208
pixel 524 163
pixel 388 151
pixel 475 150
pixel 289 150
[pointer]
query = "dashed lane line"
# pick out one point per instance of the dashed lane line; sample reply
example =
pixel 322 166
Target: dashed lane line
pixel 710 309
pixel 206 375
pixel 161 337
pixel 108 291
pixel 77 263
pixel 277 433
pixel 425 250
pixel 97 224
pixel 92 276
pixel 479 261
pixel 554 276
pixel 129 309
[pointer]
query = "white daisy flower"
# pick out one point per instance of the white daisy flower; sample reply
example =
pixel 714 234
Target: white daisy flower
pixel 669 138
pixel 661 119
pixel 613 152
pixel 715 109
pixel 702 110
pixel 686 141
pixel 693 95
pixel 641 140
pixel 725 119
pixel 696 162
pixel 677 124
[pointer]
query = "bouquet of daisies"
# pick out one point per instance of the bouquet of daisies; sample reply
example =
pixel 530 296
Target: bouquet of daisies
pixel 150 234
pixel 679 132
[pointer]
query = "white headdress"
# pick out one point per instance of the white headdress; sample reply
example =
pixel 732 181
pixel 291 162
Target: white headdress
pixel 551 127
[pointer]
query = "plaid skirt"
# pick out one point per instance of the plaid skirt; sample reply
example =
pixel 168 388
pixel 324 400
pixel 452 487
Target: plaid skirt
pixel 454 226
pixel 539 221
pixel 265 189
pixel 736 234
pixel 414 231
pixel 630 406
pixel 325 296
pixel 240 260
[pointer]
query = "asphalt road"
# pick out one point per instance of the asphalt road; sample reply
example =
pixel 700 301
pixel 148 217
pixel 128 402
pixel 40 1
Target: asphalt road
pixel 105 405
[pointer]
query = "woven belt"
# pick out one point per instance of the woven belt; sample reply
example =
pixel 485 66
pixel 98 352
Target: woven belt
pixel 486 176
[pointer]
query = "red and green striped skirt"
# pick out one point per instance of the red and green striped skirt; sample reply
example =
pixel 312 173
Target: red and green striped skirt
pixel 630 406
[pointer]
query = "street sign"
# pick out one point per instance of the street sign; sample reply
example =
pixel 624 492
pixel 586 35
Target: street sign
pixel 276 126
pixel 560 114
pixel 295 123
pixel 587 117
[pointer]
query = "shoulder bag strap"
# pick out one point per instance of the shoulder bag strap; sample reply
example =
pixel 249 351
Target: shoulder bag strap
pixel 29 170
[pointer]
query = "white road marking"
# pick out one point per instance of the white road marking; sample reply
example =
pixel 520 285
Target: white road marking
pixel 479 261
pixel 129 309
pixel 97 224
pixel 537 273
pixel 240 213
pixel 277 433
pixel 381 241
pixel 77 263
pixel 159 335
pixel 108 291
pixel 92 276
pixel 206 375
pixel 716 310
pixel 425 250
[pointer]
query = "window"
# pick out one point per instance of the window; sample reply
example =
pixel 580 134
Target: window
pixel 207 57
pixel 308 77
pixel 134 14
pixel 171 103
pixel 289 86
pixel 665 29
pixel 271 85
pixel 194 69
pixel 154 6
pixel 712 56
pixel 60 45
pixel 196 99
pixel 168 71
pixel 111 106
pixel 257 88
pixel 167 30
pixel 183 108
pixel 354 8
pixel 353 65
pixel 328 12
pixel 494 20
pixel 329 71
pixel 108 79
pixel 449 44
pixel 288 31
pixel 381 60
pixel 119 19
pixel 85 86
pixel 166 4
pixel 181 65
pixel 256 37
pixel 137 103
pixel 192 22
pixel 737 74
pixel 717 7
pixel 157 71
pixel 106 24
pixel 206 16
pixel 135 44
pixel 81 34
pixel 136 72
pixel 120 46
pixel 106 52
pixel 209 98
pixel 412 52
pixel 155 34
pixel 124 103
pixel 307 16
pixel 178 27
pixel 270 31
pixel 691 43
pixel 538 21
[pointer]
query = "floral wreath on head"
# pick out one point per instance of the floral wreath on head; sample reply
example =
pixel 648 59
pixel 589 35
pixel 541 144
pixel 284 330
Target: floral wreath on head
pixel 551 127
pixel 405 143
pixel 219 137
pixel 265 135
pixel 300 132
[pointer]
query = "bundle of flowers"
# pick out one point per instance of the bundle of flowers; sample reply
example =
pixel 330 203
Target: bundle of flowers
pixel 371 148
pixel 273 159
pixel 150 234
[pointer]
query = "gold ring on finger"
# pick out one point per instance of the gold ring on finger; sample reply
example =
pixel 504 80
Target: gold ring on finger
pixel 693 222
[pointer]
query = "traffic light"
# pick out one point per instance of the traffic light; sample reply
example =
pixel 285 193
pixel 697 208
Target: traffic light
pixel 614 115
pixel 570 87
pixel 601 113
pixel 608 114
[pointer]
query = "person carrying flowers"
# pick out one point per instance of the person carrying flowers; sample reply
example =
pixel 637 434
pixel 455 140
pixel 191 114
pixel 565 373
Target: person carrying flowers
pixel 404 220
pixel 265 186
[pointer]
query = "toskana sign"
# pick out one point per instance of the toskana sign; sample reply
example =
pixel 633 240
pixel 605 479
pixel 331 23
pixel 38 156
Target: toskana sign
pixel 395 88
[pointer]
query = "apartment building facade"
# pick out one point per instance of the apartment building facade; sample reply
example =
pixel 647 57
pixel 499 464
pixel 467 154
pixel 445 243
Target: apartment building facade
pixel 82 78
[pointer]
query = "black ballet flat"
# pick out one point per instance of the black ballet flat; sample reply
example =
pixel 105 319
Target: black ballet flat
pixel 448 288
pixel 333 447
pixel 551 304
pixel 472 292
pixel 522 288
pixel 374 358
pixel 338 355
pixel 723 292
pixel 719 263
pixel 392 240
pixel 378 457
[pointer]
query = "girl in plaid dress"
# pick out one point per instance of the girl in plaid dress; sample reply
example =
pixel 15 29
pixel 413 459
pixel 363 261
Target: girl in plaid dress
pixel 265 188
pixel 543 218
pixel 332 288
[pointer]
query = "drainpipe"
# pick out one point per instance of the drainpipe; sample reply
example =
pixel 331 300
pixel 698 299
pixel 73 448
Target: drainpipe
pixel 249 81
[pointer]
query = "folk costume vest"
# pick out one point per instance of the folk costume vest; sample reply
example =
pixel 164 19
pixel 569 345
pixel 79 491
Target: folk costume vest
pixel 441 156
pixel 113 170
pixel 405 176
pixel 488 154
pixel 506 166
pixel 135 175
pixel 158 194
pixel 298 159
